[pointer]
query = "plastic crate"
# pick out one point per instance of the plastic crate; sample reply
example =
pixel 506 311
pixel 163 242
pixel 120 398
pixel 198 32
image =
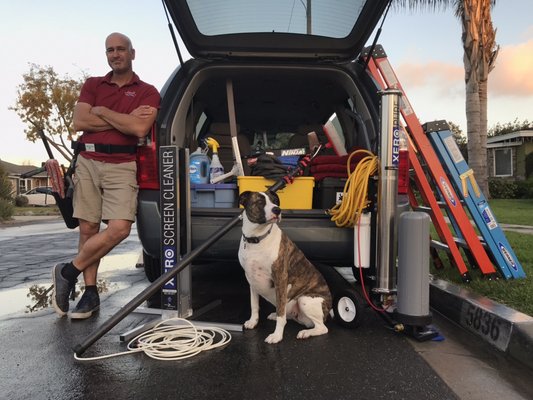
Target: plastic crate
pixel 220 195
pixel 295 196
pixel 328 192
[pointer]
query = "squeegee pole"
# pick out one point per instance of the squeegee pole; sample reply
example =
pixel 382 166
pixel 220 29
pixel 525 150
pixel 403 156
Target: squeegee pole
pixel 79 349
pixel 152 289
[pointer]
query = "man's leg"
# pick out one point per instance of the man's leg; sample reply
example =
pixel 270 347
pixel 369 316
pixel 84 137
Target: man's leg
pixel 97 245
pixel 88 230
pixel 93 246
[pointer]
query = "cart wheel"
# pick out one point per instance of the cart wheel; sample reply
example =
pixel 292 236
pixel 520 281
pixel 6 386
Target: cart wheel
pixel 346 308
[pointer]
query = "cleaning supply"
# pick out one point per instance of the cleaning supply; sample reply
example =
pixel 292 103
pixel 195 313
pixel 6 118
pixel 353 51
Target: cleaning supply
pixel 216 169
pixel 199 165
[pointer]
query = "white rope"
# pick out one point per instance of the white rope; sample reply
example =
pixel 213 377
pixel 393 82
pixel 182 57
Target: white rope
pixel 172 339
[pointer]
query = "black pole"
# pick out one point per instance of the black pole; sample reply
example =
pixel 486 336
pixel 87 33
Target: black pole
pixel 46 145
pixel 79 349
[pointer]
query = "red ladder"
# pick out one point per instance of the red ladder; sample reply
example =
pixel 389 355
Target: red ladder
pixel 420 146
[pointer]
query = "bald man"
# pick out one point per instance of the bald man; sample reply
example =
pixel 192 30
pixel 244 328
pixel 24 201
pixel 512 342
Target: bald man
pixel 113 111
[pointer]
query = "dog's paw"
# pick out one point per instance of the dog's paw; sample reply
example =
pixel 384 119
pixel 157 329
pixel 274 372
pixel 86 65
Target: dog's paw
pixel 307 333
pixel 273 338
pixel 272 316
pixel 250 324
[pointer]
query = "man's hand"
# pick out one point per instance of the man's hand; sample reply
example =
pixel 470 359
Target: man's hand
pixel 86 119
pixel 137 123
pixel 143 112
pixel 98 110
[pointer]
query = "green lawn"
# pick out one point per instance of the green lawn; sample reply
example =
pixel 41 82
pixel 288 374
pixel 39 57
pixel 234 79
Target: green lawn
pixel 515 293
pixel 51 210
pixel 517 212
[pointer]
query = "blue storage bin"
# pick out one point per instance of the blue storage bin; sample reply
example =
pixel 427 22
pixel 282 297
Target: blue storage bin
pixel 219 195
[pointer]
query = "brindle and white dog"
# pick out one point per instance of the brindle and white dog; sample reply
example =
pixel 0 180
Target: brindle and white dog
pixel 278 271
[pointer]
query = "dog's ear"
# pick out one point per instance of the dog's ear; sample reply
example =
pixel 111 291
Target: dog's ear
pixel 244 197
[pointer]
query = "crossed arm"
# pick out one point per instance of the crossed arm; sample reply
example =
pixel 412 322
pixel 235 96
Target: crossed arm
pixel 100 118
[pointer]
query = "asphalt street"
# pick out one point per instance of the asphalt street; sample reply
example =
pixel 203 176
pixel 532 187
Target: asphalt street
pixel 370 362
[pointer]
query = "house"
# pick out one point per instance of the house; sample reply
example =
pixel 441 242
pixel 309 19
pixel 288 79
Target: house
pixel 510 155
pixel 22 185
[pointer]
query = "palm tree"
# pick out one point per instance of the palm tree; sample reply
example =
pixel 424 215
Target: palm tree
pixel 480 52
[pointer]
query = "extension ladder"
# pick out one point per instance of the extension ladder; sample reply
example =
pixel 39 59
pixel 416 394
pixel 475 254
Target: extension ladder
pixel 432 181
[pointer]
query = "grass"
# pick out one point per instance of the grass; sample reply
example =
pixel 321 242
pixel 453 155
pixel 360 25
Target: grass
pixel 516 212
pixel 515 293
pixel 50 210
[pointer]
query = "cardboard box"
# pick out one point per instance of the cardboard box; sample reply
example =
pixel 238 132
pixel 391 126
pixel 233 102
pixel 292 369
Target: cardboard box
pixel 295 196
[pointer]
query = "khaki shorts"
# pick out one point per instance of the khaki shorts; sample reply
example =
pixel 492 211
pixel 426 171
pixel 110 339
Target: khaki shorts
pixel 105 191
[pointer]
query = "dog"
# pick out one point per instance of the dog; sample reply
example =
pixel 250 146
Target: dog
pixel 279 271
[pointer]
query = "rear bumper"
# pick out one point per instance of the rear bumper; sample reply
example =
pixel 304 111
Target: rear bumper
pixel 312 231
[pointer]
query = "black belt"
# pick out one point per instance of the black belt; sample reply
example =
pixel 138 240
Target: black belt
pixel 103 148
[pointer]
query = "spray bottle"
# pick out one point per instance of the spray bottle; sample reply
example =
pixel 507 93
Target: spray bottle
pixel 216 169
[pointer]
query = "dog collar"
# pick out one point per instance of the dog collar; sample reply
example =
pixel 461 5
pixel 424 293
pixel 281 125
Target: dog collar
pixel 257 239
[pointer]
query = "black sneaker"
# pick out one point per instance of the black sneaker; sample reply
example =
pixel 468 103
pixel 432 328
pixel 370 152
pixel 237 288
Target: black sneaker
pixel 88 304
pixel 62 290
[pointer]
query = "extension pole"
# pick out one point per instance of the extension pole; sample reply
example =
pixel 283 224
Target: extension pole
pixel 152 289
pixel 79 349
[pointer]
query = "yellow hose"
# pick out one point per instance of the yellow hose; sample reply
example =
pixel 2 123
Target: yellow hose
pixel 355 193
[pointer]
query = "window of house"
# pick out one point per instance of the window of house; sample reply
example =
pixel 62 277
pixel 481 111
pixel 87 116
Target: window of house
pixel 503 162
pixel 24 185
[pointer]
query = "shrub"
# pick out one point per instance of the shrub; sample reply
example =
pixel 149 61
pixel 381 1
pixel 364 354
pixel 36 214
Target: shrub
pixel 21 201
pixel 502 189
pixel 6 209
pixel 6 202
pixel 524 189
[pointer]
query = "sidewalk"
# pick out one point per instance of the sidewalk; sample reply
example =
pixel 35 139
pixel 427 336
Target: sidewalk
pixel 506 329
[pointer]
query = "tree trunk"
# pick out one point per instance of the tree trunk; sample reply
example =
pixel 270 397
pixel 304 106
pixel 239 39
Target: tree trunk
pixel 480 53
pixel 482 174
pixel 471 47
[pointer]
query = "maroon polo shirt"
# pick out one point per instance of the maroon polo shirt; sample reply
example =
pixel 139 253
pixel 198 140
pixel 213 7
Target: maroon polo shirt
pixel 100 91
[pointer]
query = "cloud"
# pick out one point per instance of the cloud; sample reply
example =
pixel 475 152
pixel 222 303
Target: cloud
pixel 512 74
pixel 510 78
pixel 445 79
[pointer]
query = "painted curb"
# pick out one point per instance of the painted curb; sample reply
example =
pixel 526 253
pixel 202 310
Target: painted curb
pixel 508 330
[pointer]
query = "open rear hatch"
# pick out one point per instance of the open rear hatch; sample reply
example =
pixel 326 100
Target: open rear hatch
pixel 289 29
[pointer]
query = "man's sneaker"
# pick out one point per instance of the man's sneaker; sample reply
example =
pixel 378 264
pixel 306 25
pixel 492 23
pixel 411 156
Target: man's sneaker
pixel 62 290
pixel 88 304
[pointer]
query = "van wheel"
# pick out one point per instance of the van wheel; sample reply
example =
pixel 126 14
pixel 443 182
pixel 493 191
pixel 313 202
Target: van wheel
pixel 152 267
pixel 347 308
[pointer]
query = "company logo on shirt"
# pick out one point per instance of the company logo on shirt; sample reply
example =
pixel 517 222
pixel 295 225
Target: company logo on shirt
pixel 130 93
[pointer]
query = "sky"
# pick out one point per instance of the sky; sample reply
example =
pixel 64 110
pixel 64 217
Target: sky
pixel 424 48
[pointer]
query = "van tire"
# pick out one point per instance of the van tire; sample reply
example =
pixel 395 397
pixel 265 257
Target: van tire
pixel 152 267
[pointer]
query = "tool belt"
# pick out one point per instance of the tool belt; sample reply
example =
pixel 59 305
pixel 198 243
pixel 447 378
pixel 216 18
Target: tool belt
pixel 103 148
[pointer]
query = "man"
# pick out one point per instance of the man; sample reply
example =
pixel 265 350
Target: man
pixel 113 112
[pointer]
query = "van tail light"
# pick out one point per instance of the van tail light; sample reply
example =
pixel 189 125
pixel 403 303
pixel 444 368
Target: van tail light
pixel 147 172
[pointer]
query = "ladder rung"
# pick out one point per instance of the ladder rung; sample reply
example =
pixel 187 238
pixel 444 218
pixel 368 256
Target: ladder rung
pixel 439 245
